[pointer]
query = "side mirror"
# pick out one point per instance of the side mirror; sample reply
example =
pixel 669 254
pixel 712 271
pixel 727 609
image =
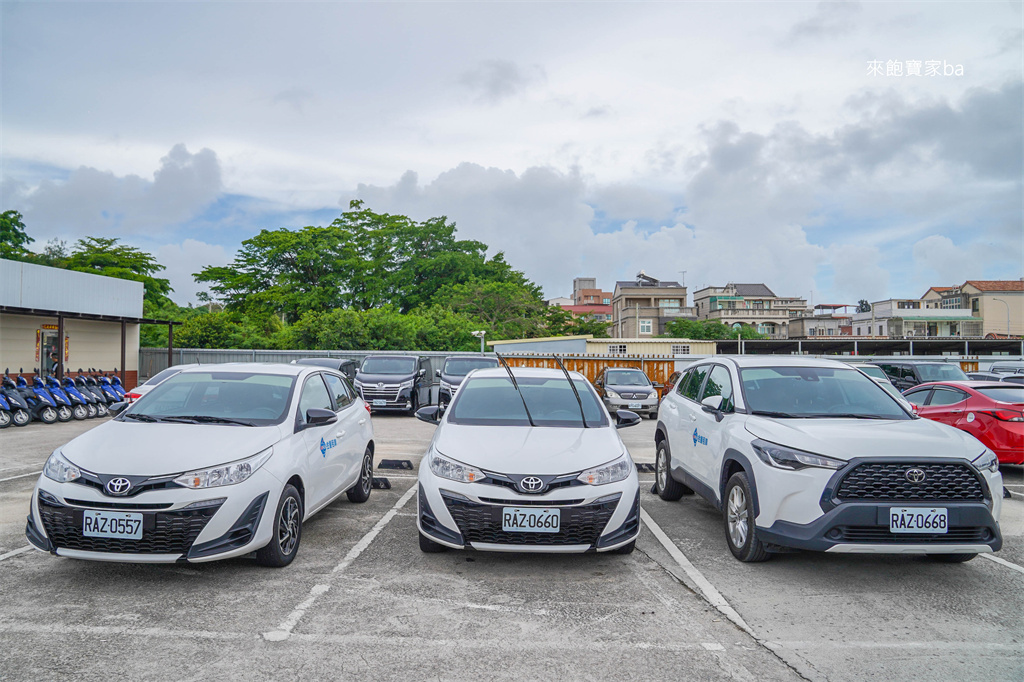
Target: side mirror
pixel 430 414
pixel 421 373
pixel 625 418
pixel 117 408
pixel 317 417
pixel 713 405
pixel 437 372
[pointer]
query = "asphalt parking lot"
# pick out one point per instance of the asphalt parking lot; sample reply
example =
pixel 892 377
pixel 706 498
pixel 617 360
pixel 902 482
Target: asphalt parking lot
pixel 361 601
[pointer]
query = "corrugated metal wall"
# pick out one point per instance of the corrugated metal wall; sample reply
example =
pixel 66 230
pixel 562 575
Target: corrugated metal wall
pixel 26 285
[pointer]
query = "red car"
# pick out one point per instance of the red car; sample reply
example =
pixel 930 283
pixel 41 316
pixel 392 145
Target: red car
pixel 992 412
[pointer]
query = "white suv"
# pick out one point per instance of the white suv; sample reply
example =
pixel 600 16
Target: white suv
pixel 812 454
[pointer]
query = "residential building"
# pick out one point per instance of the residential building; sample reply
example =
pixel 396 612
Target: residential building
pixel 827 320
pixel 585 292
pixel 560 301
pixel 642 308
pixel 898 318
pixel 998 304
pixel 751 305
pixel 598 313
pixel 588 345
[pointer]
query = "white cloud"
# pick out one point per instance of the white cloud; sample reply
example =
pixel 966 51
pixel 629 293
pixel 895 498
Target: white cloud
pixel 940 262
pixel 184 259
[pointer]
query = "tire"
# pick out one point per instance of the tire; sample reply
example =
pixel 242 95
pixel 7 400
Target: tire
pixel 951 558
pixel 738 513
pixel 653 415
pixel 429 546
pixel 284 544
pixel 91 411
pixel 21 417
pixel 625 549
pixel 415 401
pixel 101 410
pixel 5 419
pixel 48 415
pixel 361 491
pixel 64 413
pixel 667 487
pixel 79 412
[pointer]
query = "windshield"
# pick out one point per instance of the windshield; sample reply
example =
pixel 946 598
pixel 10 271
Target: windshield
pixel 621 377
pixel 160 376
pixel 873 371
pixel 494 401
pixel 460 367
pixel 942 372
pixel 216 397
pixel 374 365
pixel 816 392
pixel 1007 394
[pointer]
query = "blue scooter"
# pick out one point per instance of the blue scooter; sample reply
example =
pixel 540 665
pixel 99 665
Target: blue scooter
pixel 108 388
pixel 76 402
pixel 115 381
pixel 62 402
pixel 5 412
pixel 40 403
pixel 86 383
pixel 88 401
pixel 21 415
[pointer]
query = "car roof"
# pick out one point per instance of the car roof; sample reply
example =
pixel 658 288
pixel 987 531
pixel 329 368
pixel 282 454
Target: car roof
pixel 525 372
pixel 255 368
pixel 742 361
pixel 969 383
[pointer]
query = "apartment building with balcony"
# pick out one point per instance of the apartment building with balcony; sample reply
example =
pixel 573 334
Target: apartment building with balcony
pixel 827 320
pixel 997 304
pixel 753 305
pixel 641 308
pixel 901 318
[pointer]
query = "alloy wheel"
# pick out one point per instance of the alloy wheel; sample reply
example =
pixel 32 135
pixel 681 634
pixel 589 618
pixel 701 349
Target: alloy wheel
pixel 367 481
pixel 661 467
pixel 737 517
pixel 288 526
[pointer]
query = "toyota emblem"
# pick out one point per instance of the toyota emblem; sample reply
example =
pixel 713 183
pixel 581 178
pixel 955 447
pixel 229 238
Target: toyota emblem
pixel 380 384
pixel 531 484
pixel 915 475
pixel 118 486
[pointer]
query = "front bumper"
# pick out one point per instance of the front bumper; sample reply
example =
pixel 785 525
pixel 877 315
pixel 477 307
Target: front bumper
pixel 648 406
pixel 392 401
pixel 468 516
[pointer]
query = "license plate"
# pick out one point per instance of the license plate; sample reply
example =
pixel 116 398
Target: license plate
pixel 530 520
pixel 377 402
pixel 917 520
pixel 635 406
pixel 101 524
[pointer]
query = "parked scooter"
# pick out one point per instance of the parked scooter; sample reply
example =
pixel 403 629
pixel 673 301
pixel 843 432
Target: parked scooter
pixel 88 400
pixel 21 414
pixel 76 402
pixel 41 404
pixel 86 383
pixel 5 412
pixel 103 381
pixel 61 401
pixel 115 381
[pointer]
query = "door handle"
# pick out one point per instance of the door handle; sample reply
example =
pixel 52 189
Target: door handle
pixel 670 406
pixel 339 434
pixel 362 421
pixel 693 417
pixel 956 411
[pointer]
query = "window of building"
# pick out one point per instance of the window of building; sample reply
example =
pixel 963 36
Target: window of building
pixel 616 349
pixel 668 303
pixel 974 305
pixel 680 349
pixel 645 326
pixel 607 301
pixel 880 330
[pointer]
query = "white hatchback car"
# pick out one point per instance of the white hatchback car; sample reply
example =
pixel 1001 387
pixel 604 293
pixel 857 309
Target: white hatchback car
pixel 515 466
pixel 812 454
pixel 215 462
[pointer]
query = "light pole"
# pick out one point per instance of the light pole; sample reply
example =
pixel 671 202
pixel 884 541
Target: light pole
pixel 1007 315
pixel 480 335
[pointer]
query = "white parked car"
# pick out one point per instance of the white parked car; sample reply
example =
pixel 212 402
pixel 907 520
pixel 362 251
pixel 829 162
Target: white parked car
pixel 812 454
pixel 154 381
pixel 513 466
pixel 215 462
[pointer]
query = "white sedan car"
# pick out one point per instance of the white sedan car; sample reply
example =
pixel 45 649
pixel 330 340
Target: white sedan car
pixel 812 454
pixel 525 461
pixel 215 462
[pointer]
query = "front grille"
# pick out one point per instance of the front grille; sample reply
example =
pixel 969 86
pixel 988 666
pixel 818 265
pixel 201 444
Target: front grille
pixel 635 396
pixel 887 481
pixel 162 532
pixel 531 503
pixel 881 535
pixel 482 523
pixel 389 393
pixel 138 485
pixel 122 506
pixel 555 485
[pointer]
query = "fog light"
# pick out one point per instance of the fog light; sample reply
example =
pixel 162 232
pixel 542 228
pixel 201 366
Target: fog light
pixel 834 534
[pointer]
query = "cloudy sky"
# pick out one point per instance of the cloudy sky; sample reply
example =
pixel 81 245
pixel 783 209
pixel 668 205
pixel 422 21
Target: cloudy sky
pixel 750 142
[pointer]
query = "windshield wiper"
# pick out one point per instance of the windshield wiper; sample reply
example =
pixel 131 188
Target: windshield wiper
pixel 521 396
pixel 769 413
pixel 844 415
pixel 140 417
pixel 583 415
pixel 205 419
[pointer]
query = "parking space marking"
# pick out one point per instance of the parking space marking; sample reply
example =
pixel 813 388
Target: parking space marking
pixel 11 478
pixel 704 586
pixel 284 630
pixel 50 629
pixel 16 552
pixel 990 557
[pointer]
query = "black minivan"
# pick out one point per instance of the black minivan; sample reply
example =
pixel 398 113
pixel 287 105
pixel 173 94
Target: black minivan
pixel 455 370
pixel 394 382
pixel 904 375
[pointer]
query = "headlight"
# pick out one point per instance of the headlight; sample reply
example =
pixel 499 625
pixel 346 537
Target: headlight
pixel 987 460
pixel 406 384
pixel 357 384
pixel 611 394
pixel 446 386
pixel 782 457
pixel 455 471
pixel 61 470
pixel 225 474
pixel 611 472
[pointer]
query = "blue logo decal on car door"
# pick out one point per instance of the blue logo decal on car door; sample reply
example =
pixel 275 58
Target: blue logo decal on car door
pixel 699 439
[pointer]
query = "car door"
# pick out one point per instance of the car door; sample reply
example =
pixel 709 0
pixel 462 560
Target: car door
pixel 945 405
pixel 708 439
pixel 350 431
pixel 323 457
pixel 685 435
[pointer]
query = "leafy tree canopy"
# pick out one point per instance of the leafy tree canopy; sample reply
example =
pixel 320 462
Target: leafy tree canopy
pixel 560 322
pixel 105 256
pixel 863 306
pixel 706 329
pixel 14 240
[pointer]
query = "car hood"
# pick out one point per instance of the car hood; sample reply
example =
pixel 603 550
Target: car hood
pixel 619 388
pixel 848 438
pixel 143 449
pixel 383 378
pixel 453 379
pixel 528 449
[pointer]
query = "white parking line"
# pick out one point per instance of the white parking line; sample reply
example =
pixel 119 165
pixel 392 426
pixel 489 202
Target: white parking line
pixel 11 478
pixel 704 586
pixel 16 552
pixel 284 630
pixel 990 557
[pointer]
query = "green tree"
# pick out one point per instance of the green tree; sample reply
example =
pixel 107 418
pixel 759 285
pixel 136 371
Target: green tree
pixel 14 240
pixel 55 254
pixel 863 306
pixel 709 330
pixel 227 329
pixel 560 322
pixel 505 309
pixel 105 256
